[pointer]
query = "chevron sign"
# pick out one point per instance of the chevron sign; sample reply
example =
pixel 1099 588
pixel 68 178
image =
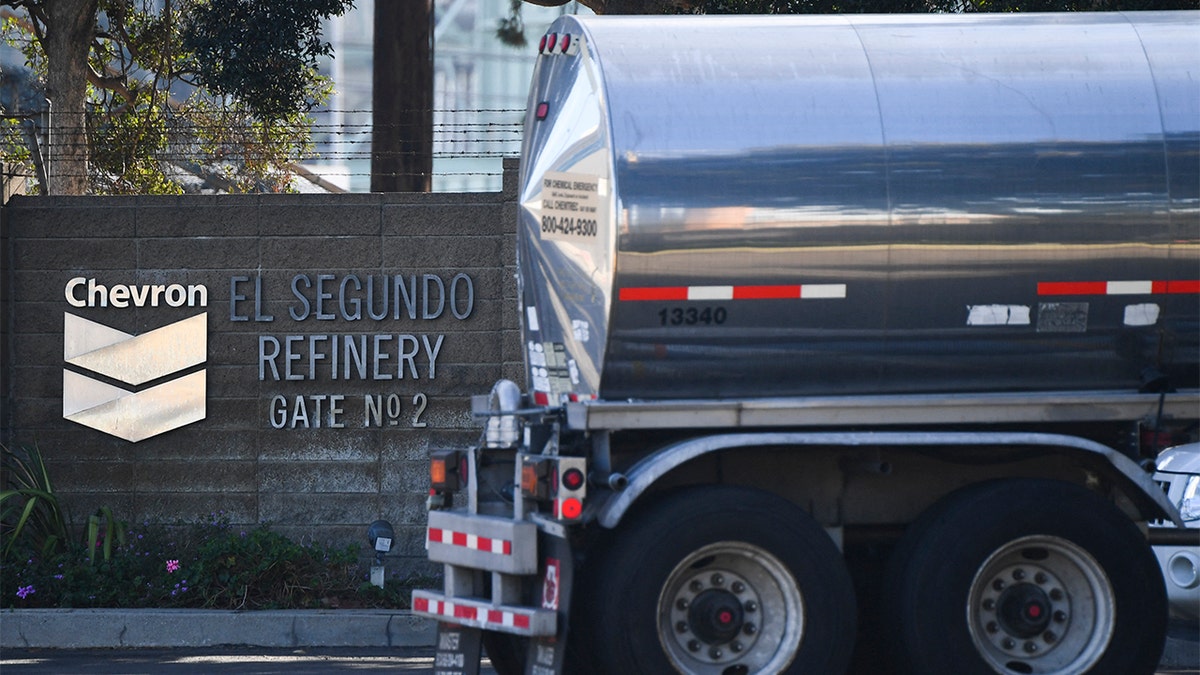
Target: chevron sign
pixel 151 404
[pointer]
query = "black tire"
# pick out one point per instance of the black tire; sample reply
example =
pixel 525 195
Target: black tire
pixel 1052 578
pixel 765 589
pixel 506 652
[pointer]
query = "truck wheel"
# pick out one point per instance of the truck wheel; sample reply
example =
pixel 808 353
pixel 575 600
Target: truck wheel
pixel 721 580
pixel 1052 578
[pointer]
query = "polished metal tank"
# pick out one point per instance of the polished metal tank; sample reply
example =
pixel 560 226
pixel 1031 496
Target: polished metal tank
pixel 785 205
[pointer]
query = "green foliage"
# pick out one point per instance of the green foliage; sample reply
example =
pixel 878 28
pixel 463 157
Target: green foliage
pixel 208 564
pixel 31 517
pixel 262 569
pixel 262 53
pixel 103 529
pixel 215 89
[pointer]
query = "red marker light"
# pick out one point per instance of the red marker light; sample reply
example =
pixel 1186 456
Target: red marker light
pixel 566 42
pixel 572 479
pixel 542 45
pixel 571 508
pixel 543 109
pixel 551 41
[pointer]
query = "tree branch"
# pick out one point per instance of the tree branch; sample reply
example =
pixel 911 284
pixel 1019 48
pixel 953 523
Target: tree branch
pixel 114 83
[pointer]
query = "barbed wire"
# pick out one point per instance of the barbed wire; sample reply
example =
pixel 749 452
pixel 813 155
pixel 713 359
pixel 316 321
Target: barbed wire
pixel 337 143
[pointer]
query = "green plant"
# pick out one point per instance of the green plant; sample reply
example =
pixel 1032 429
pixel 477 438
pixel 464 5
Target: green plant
pixel 31 515
pixel 204 564
pixel 263 569
pixel 102 529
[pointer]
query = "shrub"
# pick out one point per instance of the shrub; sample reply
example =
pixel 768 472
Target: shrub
pixel 31 516
pixel 208 564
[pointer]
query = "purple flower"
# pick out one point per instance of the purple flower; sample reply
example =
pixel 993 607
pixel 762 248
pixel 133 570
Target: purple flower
pixel 25 591
pixel 172 566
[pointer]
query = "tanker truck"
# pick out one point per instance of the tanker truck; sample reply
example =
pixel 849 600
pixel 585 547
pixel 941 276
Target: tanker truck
pixel 806 296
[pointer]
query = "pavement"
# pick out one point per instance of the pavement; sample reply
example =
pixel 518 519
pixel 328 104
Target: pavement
pixel 224 660
pixel 90 629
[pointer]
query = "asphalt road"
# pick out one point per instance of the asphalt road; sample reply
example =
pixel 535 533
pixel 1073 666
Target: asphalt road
pixel 242 661
pixel 233 661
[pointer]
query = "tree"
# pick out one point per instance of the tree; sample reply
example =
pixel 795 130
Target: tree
pixel 110 67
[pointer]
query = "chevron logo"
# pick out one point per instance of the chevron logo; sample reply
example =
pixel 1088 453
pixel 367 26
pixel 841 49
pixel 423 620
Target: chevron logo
pixel 139 412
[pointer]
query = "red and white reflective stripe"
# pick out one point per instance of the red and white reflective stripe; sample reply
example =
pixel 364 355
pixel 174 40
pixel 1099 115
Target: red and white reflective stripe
pixel 472 541
pixel 484 615
pixel 1185 287
pixel 692 293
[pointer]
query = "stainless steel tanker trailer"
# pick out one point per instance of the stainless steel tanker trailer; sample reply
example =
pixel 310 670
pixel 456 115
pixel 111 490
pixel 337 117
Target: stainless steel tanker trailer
pixel 797 292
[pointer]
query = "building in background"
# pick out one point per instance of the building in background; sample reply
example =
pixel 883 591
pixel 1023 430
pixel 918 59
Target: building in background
pixel 480 86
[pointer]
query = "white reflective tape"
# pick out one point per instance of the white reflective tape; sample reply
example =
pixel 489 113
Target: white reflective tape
pixel 823 291
pixel 997 315
pixel 472 541
pixel 531 318
pixel 498 546
pixel 710 293
pixel 1130 287
pixel 1141 315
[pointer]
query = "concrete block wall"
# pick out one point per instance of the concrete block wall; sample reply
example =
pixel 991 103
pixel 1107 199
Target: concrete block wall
pixel 304 261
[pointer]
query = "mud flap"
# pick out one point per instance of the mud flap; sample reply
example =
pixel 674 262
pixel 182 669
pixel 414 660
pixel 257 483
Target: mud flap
pixel 457 650
pixel 547 655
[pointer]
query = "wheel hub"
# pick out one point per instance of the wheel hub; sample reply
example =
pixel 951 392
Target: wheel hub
pixel 716 616
pixel 1024 610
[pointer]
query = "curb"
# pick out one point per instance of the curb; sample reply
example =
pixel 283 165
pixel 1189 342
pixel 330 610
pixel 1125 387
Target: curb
pixel 151 628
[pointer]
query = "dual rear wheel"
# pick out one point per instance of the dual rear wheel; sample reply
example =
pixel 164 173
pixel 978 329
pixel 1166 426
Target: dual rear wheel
pixel 1012 577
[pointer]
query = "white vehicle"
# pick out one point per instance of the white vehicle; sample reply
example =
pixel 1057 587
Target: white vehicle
pixel 797 291
pixel 1179 474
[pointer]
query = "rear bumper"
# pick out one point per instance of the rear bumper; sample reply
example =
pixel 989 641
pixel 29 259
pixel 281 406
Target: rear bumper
pixel 468 544
pixel 476 613
pixel 480 542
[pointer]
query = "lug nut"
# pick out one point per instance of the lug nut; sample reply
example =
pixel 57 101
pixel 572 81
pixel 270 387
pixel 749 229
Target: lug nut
pixel 1030 647
pixel 696 586
pixel 738 587
pixel 715 653
pixel 1056 594
pixel 717 579
pixel 1060 616
pixel 749 629
pixel 1049 637
pixel 750 606
pixel 681 627
pixel 681 604
pixel 1040 577
pixel 1008 643
pixel 1019 574
pixel 992 627
pixel 998 584
pixel 693 645
pixel 989 604
pixel 736 647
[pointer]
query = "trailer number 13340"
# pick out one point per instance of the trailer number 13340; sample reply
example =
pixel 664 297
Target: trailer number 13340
pixel 692 316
